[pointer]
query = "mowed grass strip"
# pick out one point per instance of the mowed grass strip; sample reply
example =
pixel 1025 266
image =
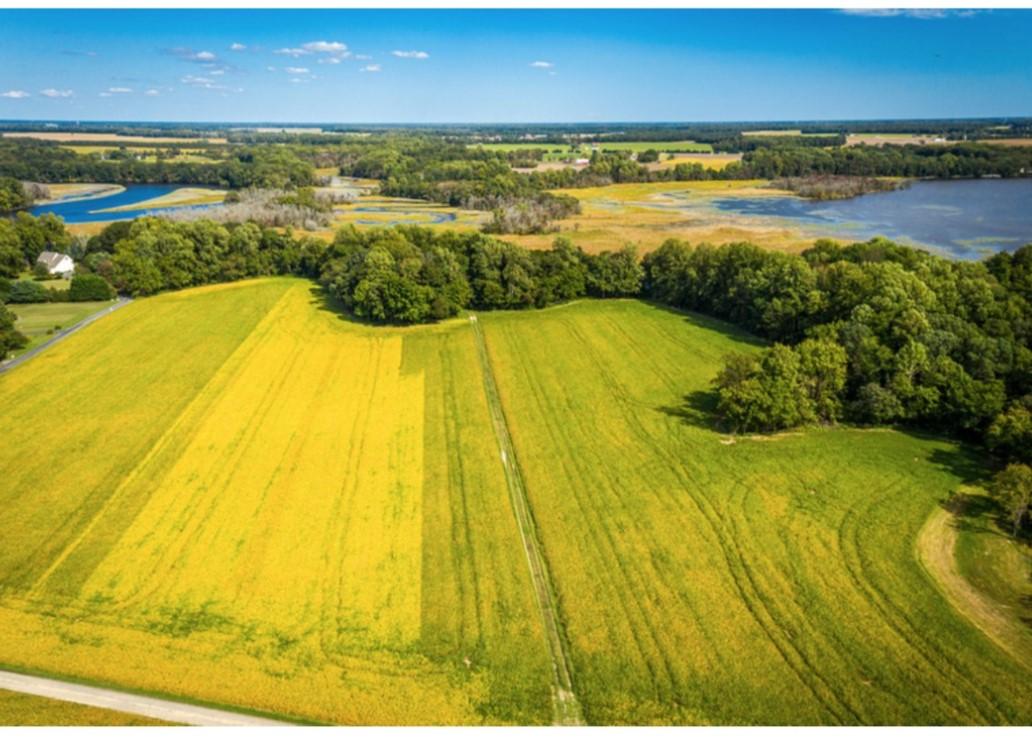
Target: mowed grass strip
pixel 709 580
pixel 321 530
pixel 27 710
pixel 40 321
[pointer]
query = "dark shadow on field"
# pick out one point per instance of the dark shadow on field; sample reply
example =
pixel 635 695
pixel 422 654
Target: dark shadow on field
pixel 698 409
pixel 960 461
pixel 972 513
pixel 708 322
pixel 324 300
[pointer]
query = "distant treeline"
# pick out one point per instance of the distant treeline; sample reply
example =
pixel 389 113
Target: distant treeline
pixel 451 172
pixel 261 166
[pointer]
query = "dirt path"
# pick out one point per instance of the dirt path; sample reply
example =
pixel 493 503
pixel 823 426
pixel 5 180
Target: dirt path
pixel 143 706
pixel 21 359
pixel 567 708
pixel 936 543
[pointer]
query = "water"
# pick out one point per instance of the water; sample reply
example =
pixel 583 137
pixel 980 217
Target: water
pixel 964 218
pixel 87 210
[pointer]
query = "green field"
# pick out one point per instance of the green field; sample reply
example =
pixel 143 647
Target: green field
pixel 314 522
pixel 40 321
pixel 993 562
pixel 705 579
pixel 23 709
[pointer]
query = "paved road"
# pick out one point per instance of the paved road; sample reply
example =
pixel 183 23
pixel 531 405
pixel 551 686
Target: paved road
pixel 567 708
pixel 144 706
pixel 21 359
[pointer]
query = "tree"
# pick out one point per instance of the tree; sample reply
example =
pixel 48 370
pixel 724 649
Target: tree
pixel 1012 489
pixel 10 338
pixel 27 291
pixel 12 195
pixel 12 259
pixel 615 273
pixel 40 271
pixel 822 365
pixel 86 287
pixel 764 394
pixel 1010 433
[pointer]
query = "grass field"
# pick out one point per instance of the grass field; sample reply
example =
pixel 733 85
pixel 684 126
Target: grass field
pixel 706 579
pixel 39 321
pixel 709 161
pixel 314 522
pixel 994 564
pixel 23 709
pixel 262 505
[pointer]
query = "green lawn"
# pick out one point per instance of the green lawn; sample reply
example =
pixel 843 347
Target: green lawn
pixel 993 562
pixel 24 709
pixel 710 579
pixel 40 321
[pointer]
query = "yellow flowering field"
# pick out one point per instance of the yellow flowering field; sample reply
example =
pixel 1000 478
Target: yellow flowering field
pixel 233 495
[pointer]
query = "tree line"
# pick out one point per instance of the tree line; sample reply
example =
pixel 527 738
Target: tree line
pixel 258 166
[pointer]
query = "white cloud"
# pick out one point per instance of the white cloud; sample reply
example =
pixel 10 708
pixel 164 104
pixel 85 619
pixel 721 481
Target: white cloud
pixel 292 52
pixel 371 68
pixel 207 83
pixel 270 68
pixel 152 92
pixel 51 92
pixel 237 47
pixel 918 13
pixel 410 54
pixel 15 94
pixel 363 57
pixel 217 72
pixel 119 90
pixel 326 47
pixel 298 70
pixel 189 55
pixel 330 60
pixel 542 65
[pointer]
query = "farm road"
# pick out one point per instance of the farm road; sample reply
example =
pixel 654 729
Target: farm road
pixel 567 708
pixel 21 359
pixel 120 701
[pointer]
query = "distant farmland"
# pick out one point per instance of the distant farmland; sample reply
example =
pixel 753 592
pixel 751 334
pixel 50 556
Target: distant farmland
pixel 249 500
pixel 613 146
pixel 85 137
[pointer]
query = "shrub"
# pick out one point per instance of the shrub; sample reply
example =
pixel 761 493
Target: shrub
pixel 90 288
pixel 27 291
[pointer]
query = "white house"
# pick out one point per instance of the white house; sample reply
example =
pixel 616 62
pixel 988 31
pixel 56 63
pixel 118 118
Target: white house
pixel 57 263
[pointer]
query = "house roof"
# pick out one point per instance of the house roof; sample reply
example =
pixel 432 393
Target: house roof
pixel 52 259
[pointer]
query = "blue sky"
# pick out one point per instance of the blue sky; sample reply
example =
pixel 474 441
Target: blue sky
pixel 355 66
